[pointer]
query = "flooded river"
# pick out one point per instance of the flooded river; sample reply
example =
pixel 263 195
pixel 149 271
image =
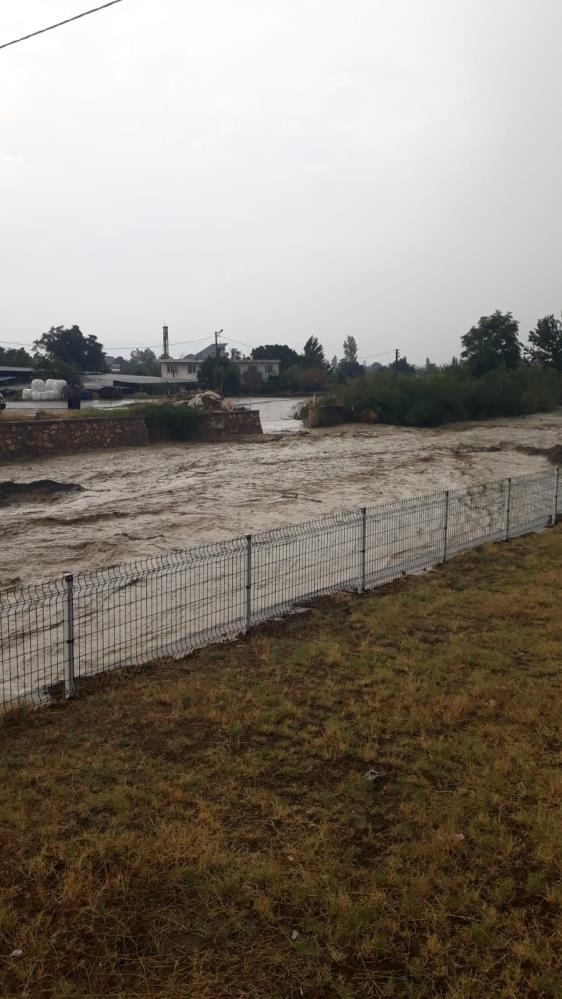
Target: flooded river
pixel 139 502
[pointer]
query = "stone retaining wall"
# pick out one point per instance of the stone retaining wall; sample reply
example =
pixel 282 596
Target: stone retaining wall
pixel 20 439
pixel 40 438
pixel 224 423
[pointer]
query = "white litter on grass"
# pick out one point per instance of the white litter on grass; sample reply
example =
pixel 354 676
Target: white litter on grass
pixel 17 953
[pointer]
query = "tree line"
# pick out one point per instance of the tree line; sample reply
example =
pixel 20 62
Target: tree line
pixel 492 345
pixel 496 375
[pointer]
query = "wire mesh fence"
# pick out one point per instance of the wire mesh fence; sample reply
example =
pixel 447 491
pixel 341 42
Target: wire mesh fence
pixel 56 633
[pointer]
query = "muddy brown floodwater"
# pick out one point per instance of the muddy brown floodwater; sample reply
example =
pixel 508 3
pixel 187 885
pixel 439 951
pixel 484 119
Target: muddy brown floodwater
pixel 144 501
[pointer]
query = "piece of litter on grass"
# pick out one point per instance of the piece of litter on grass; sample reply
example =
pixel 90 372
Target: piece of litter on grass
pixel 371 775
pixel 16 953
pixel 295 935
pixel 458 837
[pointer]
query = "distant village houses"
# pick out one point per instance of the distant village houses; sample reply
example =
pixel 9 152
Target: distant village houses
pixel 185 370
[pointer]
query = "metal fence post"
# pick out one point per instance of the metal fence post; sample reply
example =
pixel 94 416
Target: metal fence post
pixel 68 629
pixel 363 548
pixel 446 527
pixel 248 582
pixel 508 514
pixel 556 495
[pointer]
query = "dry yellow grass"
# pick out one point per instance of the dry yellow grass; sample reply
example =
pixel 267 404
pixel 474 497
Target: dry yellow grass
pixel 206 829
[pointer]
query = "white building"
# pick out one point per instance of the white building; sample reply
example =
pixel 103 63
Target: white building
pixel 185 370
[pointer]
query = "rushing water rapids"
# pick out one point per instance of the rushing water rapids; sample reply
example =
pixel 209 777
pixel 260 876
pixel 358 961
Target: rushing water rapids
pixel 141 502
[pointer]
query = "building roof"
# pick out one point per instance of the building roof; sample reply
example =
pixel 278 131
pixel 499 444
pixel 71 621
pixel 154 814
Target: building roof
pixel 97 381
pixel 198 359
pixel 11 370
pixel 201 355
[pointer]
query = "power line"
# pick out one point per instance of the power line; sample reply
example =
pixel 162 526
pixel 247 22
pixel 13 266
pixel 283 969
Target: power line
pixel 59 24
pixel 383 353
pixel 156 346
pixel 153 346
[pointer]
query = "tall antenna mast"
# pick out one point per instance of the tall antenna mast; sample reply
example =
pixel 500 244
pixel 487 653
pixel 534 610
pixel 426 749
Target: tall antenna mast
pixel 165 343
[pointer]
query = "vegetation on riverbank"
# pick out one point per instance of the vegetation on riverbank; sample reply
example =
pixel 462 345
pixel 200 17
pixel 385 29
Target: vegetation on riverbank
pixel 361 802
pixel 165 421
pixel 443 396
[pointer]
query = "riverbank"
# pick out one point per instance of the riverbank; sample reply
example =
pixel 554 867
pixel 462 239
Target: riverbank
pixel 357 802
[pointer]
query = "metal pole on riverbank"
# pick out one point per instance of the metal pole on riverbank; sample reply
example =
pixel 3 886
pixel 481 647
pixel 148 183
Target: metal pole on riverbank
pixel 68 630
pixel 248 582
pixel 556 495
pixel 508 515
pixel 363 548
pixel 446 527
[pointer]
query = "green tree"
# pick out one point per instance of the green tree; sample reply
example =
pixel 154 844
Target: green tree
pixel 546 342
pixel 142 362
pixel 350 348
pixel 220 375
pixel 492 343
pixel 47 367
pixel 403 366
pixel 291 378
pixel 312 379
pixel 313 354
pixel 15 358
pixel 70 346
pixel 252 382
pixel 277 352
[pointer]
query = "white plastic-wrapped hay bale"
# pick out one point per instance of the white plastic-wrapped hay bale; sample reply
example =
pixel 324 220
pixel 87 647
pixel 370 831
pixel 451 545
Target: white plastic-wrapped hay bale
pixel 56 386
pixel 38 385
pixel 27 395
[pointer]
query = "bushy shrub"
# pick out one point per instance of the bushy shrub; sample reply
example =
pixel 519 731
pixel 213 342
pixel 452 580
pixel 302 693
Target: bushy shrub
pixel 452 394
pixel 169 423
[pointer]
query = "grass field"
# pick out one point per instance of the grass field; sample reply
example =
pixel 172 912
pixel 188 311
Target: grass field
pixel 207 828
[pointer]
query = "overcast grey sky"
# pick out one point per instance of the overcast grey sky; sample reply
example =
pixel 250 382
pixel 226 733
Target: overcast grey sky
pixel 281 168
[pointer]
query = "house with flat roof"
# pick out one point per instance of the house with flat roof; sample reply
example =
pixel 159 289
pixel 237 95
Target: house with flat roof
pixel 184 371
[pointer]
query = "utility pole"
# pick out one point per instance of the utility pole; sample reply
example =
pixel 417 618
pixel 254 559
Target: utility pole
pixel 217 334
pixel 166 343
pixel 396 357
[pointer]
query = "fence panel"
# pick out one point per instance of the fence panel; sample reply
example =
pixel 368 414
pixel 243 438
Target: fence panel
pixel 100 620
pixel 404 537
pixel 298 563
pixel 477 516
pixel 32 649
pixel 532 503
pixel 164 606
